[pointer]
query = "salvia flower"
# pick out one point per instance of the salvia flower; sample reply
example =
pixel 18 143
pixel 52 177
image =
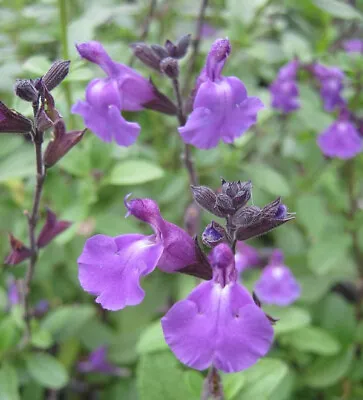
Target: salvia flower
pixel 341 139
pixel 222 109
pixel 331 85
pixel 219 323
pixel 97 362
pixel 111 267
pixel 123 89
pixel 277 285
pixel 353 46
pixel 284 90
pixel 246 256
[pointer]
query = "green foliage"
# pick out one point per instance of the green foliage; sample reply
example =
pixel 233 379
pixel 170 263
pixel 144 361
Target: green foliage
pixel 317 340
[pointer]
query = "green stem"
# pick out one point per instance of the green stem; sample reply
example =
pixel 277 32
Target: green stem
pixel 63 16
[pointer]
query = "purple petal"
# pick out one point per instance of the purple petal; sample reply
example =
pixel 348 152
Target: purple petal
pixel 101 113
pixel 246 256
pixel 94 51
pixel 341 140
pixel 219 326
pixel 353 46
pixel 289 71
pixel 111 268
pixel 217 57
pixel 277 285
pixel 201 129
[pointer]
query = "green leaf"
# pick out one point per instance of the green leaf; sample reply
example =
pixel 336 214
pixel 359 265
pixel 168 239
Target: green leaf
pixel 312 214
pixel 18 164
pixel 267 179
pixel 37 65
pixel 9 334
pixel 46 370
pixel 233 384
pixel 262 379
pixel 338 9
pixel 329 253
pixel 337 316
pixel 160 377
pixel 133 172
pixel 312 340
pixel 9 385
pixel 326 371
pixel 41 339
pixel 194 380
pixel 152 339
pixel 289 318
pixel 66 321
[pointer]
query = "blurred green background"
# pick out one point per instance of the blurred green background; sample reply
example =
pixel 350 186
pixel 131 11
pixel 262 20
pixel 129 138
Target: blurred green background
pixel 317 347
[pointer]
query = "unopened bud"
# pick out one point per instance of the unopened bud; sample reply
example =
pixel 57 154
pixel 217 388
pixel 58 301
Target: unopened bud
pixel 182 46
pixel 160 51
pixel 213 234
pixel 57 72
pixel 169 66
pixel 25 89
pixel 171 48
pixel 206 198
pixel 147 55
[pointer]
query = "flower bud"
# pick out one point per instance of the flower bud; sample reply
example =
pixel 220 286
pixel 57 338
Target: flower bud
pixel 160 51
pixel 146 55
pixel 169 67
pixel 206 198
pixel 56 73
pixel 182 46
pixel 213 234
pixel 25 89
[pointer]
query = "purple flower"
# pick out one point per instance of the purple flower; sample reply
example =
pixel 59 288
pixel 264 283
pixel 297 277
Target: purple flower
pixel 97 362
pixel 353 46
pixel 246 256
pixel 277 285
pixel 123 89
pixel 284 90
pixel 221 110
pixel 13 293
pixel 341 139
pixel 331 85
pixel 111 267
pixel 218 323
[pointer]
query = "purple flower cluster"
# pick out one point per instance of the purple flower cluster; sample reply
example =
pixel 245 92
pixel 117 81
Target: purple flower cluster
pixel 222 109
pixel 284 90
pixel 219 323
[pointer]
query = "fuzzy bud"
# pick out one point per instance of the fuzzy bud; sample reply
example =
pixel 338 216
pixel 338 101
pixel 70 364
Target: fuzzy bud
pixel 25 89
pixel 56 73
pixel 169 66
pixel 147 55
